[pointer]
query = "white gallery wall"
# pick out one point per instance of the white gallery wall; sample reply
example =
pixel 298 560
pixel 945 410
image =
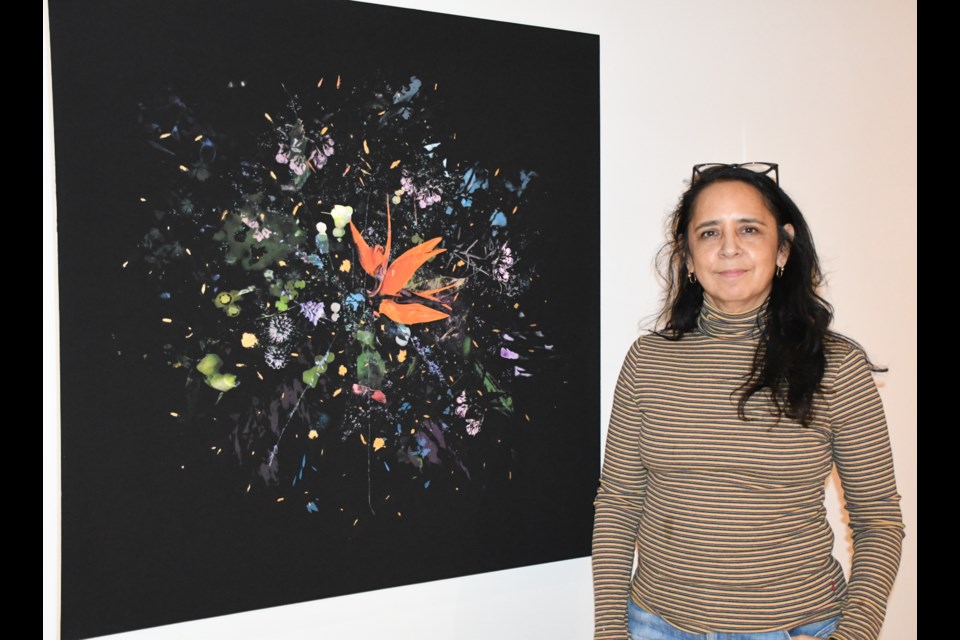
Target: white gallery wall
pixel 827 89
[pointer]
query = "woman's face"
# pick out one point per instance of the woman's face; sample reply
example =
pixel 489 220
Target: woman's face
pixel 733 246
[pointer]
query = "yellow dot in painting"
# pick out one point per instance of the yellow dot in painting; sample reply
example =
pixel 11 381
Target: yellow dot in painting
pixel 402 355
pixel 336 392
pixel 345 266
pixel 342 370
pixel 248 340
pixel 378 443
pixel 312 434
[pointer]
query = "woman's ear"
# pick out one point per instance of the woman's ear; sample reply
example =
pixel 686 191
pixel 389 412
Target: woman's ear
pixel 784 252
pixel 687 260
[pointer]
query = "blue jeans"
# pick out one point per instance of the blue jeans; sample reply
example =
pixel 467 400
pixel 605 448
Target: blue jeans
pixel 644 625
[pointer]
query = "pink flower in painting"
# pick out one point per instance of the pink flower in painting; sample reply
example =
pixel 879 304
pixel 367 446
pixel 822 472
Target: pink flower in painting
pixel 374 394
pixel 319 155
pixel 298 165
pixel 473 427
pixel 425 196
pixel 282 154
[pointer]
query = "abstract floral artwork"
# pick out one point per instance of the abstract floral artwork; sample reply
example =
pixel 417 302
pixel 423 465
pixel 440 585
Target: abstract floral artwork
pixel 329 302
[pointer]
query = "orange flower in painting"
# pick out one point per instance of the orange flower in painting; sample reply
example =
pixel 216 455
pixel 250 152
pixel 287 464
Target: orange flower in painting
pixel 397 303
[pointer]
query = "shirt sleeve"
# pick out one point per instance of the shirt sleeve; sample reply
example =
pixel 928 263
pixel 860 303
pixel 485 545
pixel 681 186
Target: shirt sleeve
pixel 861 452
pixel 619 503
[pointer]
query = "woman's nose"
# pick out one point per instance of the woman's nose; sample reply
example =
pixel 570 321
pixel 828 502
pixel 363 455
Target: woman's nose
pixel 729 245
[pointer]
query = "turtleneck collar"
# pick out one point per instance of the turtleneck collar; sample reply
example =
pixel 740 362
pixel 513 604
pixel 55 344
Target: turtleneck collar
pixel 731 326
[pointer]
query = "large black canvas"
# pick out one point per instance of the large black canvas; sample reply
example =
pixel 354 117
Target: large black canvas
pixel 403 459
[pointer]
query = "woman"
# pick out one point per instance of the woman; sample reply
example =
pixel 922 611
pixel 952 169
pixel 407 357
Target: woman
pixel 726 423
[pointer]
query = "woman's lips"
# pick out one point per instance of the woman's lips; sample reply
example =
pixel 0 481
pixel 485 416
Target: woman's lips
pixel 733 273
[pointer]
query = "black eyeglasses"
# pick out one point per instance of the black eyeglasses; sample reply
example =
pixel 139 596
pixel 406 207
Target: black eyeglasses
pixel 769 169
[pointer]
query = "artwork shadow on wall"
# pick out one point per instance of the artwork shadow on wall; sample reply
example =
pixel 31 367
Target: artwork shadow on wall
pixel 329 302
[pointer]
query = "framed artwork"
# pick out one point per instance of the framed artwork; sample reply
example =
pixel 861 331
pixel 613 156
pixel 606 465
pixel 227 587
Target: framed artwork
pixel 329 302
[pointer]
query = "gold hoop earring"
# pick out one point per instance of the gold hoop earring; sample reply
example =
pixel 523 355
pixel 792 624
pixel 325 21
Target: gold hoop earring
pixel 692 278
pixel 779 271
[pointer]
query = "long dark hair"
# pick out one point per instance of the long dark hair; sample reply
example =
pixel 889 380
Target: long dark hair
pixel 790 358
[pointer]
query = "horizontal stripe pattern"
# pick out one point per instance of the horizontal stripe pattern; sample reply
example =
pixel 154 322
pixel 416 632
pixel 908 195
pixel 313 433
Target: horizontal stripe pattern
pixel 726 516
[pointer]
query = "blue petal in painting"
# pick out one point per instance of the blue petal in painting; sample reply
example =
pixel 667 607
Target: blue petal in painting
pixel 407 92
pixel 354 300
pixel 312 507
pixel 525 178
pixel 498 219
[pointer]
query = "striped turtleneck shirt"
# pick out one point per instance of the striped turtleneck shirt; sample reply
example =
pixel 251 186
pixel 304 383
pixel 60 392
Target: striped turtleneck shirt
pixel 726 516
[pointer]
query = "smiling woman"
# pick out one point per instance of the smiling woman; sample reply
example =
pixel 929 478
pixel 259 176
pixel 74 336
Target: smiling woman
pixel 726 422
pixel 736 246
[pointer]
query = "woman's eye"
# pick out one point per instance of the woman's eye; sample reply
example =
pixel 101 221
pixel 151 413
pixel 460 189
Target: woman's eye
pixel 749 230
pixel 709 233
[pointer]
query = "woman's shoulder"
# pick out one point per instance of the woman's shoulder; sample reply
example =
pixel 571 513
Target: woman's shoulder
pixel 652 339
pixel 838 347
pixel 652 343
pixel 845 357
